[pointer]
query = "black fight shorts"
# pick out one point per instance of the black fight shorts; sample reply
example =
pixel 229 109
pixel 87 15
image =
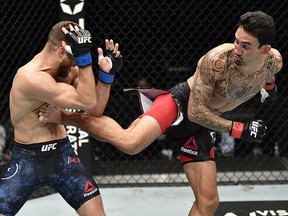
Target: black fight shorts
pixel 194 141
pixel 53 164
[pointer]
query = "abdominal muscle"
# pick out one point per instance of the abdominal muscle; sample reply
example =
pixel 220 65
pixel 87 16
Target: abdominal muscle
pixel 27 127
pixel 29 130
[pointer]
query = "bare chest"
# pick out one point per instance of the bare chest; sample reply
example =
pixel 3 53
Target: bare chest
pixel 238 87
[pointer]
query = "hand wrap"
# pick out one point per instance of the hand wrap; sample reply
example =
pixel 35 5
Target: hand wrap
pixel 117 64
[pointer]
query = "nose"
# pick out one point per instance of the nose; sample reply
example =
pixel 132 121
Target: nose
pixel 238 49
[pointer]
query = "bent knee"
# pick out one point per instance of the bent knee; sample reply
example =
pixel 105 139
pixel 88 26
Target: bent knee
pixel 134 141
pixel 131 148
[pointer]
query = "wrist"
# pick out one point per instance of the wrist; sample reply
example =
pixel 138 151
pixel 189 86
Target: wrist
pixel 105 77
pixel 269 86
pixel 84 60
pixel 237 129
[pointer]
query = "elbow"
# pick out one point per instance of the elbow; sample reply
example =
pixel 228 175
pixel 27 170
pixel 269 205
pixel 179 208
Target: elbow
pixel 89 102
pixel 93 112
pixel 91 109
pixel 191 115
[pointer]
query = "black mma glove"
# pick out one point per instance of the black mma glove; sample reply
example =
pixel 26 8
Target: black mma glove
pixel 269 92
pixel 252 131
pixel 80 43
pixel 117 64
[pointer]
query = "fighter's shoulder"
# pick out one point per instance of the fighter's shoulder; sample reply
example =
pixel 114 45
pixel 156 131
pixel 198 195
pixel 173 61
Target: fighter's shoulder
pixel 275 59
pixel 29 76
pixel 220 52
pixel 276 54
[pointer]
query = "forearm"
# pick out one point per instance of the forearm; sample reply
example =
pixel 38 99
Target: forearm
pixel 86 87
pixel 102 96
pixel 80 42
pixel 205 117
pixel 71 118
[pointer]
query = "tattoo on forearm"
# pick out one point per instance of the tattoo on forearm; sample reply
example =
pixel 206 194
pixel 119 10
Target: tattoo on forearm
pixel 202 92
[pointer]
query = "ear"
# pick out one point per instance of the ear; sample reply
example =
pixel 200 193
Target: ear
pixel 266 49
pixel 63 44
pixel 66 47
pixel 60 49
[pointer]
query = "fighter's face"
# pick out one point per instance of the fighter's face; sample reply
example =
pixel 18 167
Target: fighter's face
pixel 246 48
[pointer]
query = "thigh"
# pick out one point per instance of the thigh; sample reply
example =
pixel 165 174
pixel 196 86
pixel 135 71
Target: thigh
pixel 202 177
pixel 17 185
pixel 93 206
pixel 74 183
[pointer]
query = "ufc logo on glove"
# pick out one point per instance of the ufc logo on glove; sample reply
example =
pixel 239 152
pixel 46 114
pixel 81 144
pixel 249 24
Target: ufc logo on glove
pixel 82 40
pixel 254 128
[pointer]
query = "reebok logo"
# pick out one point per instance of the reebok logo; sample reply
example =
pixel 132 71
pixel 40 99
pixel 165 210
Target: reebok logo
pixel 49 147
pixel 190 147
pixel 89 189
pixel 191 144
pixel 189 151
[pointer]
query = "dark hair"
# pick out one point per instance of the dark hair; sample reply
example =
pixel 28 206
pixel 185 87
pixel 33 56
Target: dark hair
pixel 260 25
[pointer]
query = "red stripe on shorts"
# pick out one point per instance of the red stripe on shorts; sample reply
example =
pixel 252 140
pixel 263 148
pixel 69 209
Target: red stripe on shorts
pixel 164 110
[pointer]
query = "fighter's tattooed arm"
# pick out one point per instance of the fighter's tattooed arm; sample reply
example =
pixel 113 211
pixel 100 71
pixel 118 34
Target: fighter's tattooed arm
pixel 201 92
pixel 273 64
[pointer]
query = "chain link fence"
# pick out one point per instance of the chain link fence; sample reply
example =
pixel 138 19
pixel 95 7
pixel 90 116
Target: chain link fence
pixel 161 41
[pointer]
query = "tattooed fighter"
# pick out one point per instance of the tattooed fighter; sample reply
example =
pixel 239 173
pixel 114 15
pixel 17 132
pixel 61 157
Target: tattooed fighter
pixel 225 77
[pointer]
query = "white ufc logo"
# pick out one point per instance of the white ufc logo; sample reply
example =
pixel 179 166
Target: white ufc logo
pixel 84 40
pixel 254 128
pixel 48 147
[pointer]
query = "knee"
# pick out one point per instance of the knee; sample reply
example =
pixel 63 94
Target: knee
pixel 207 206
pixel 213 203
pixel 133 142
pixel 131 147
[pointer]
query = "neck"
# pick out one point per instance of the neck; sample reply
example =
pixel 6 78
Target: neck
pixel 250 69
pixel 45 62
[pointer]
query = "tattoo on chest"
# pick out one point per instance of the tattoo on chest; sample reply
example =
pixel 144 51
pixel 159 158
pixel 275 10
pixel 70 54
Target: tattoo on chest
pixel 236 86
